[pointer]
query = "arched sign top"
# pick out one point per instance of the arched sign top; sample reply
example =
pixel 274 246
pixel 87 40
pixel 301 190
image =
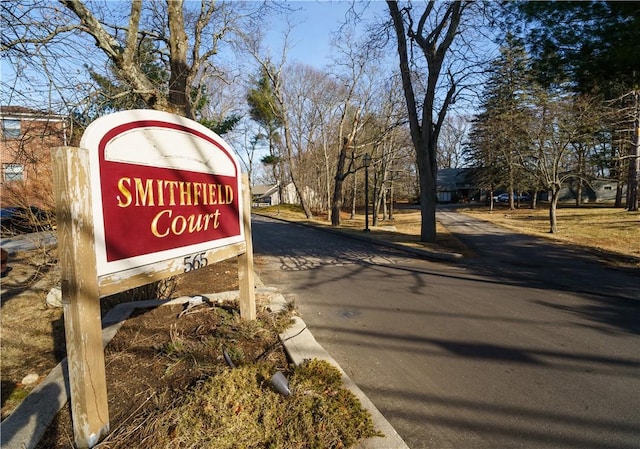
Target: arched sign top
pixel 161 140
pixel 168 187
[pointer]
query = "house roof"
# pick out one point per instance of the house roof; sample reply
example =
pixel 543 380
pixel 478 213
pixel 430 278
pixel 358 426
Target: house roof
pixel 264 190
pixel 18 112
pixel 451 179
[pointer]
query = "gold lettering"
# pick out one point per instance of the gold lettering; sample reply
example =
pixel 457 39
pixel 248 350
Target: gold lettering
pixel 185 193
pixel 172 187
pixel 154 224
pixel 125 192
pixel 195 224
pixel 196 193
pixel 229 194
pixel 174 225
pixel 212 194
pixel 216 214
pixel 144 192
pixel 205 198
pixel 160 190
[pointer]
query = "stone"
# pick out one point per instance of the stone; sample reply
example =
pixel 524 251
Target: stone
pixel 54 297
pixel 30 379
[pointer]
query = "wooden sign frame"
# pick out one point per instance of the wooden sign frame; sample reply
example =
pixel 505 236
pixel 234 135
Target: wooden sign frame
pixel 83 285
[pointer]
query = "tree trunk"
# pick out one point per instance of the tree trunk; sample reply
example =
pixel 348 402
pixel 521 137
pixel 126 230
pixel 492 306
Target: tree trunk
pixel 634 164
pixel 293 170
pixel 619 190
pixel 491 199
pixel 328 183
pixel 424 132
pixel 353 197
pixel 336 201
pixel 428 201
pixel 383 204
pixel 376 194
pixel 391 202
pixel 581 173
pixel 553 207
pixel 180 70
pixel 579 193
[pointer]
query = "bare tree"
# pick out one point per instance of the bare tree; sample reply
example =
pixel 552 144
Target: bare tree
pixel 182 37
pixel 432 34
pixel 357 63
pixel 556 125
pixel 451 146
pixel 288 105
pixel 630 113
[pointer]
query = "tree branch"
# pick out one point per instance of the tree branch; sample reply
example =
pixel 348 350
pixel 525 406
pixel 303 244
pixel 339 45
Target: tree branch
pixel 93 27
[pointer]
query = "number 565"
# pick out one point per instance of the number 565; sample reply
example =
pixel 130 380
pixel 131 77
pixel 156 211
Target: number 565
pixel 195 262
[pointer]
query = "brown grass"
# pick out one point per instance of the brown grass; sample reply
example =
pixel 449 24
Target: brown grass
pixel 32 333
pixel 605 229
pixel 239 409
pixel 168 382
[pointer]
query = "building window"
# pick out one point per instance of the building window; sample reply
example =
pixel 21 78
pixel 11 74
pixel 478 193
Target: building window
pixel 11 128
pixel 12 172
pixel 608 188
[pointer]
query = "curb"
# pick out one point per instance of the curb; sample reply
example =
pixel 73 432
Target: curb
pixel 300 345
pixel 24 428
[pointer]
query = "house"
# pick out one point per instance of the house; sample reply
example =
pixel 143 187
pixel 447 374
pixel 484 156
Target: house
pixel 269 195
pixel 597 191
pixel 25 154
pixel 265 195
pixel 456 185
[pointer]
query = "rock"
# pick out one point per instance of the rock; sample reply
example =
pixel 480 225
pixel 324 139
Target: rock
pixel 30 379
pixel 54 297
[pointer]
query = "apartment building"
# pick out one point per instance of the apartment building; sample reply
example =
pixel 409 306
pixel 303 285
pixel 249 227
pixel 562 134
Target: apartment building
pixel 25 155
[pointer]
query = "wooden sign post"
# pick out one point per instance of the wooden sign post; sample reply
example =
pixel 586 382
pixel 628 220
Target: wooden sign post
pixel 148 195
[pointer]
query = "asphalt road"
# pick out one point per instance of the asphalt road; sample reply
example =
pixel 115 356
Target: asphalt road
pixel 526 346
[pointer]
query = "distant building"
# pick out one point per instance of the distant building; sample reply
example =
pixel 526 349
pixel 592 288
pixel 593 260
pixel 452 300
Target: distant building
pixel 599 191
pixel 269 195
pixel 25 154
pixel 265 195
pixel 456 185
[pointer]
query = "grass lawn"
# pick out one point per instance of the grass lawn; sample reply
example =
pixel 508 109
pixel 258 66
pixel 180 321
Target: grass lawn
pixel 608 229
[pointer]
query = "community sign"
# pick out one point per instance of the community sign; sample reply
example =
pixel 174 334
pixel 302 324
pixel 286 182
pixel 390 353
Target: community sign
pixel 147 195
pixel 168 187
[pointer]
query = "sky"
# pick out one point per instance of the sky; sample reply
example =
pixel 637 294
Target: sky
pixel 314 23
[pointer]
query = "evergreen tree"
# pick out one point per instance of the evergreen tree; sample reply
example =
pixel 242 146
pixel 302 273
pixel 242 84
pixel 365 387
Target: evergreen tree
pixel 592 43
pixel 497 137
pixel 264 109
